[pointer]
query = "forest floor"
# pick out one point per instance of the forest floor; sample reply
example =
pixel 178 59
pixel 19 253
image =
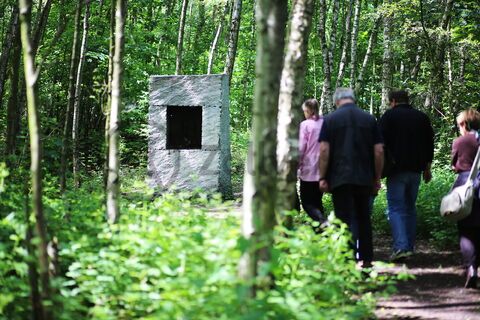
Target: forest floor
pixel 437 290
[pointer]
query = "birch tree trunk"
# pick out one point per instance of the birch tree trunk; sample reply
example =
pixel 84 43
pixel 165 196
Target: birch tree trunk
pixel 347 35
pixel 259 200
pixel 31 78
pixel 111 51
pixel 387 54
pixel 8 43
pixel 67 126
pixel 113 182
pixel 213 47
pixel 325 100
pixel 371 43
pixel 353 45
pixel 233 39
pixel 78 98
pixel 181 32
pixel 333 37
pixel 289 105
pixel 326 104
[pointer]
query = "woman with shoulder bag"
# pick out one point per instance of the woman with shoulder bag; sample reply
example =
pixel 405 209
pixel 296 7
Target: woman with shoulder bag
pixel 464 149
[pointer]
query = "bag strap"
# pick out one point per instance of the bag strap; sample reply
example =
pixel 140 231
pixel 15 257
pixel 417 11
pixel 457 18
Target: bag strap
pixel 474 169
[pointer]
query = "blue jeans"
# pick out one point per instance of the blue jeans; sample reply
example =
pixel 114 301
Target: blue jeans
pixel 402 191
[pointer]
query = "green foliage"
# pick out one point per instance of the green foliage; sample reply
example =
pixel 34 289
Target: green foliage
pixel 239 152
pixel 176 257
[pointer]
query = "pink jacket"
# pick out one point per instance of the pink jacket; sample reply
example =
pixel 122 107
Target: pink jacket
pixel 309 149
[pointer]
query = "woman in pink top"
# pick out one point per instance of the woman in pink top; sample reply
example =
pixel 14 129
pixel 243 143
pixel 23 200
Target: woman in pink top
pixel 308 172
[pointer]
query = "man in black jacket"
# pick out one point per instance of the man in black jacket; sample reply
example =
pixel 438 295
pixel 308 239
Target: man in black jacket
pixel 408 138
pixel 351 161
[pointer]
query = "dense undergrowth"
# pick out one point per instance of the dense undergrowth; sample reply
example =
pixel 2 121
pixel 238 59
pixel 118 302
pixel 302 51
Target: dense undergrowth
pixel 175 257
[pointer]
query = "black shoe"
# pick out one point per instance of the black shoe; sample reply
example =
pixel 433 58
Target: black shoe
pixel 472 278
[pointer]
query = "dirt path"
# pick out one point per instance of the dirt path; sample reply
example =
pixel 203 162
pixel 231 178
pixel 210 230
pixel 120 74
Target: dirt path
pixel 436 292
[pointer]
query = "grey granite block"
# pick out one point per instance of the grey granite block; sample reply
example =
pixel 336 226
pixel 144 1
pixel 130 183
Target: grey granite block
pixel 188 169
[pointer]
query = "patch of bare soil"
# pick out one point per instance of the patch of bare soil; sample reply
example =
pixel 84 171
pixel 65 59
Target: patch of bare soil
pixel 436 292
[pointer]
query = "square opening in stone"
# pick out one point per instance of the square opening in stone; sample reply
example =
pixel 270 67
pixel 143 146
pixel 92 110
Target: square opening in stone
pixel 184 127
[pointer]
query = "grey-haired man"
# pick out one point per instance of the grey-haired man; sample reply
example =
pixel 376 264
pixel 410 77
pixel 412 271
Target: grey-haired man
pixel 351 162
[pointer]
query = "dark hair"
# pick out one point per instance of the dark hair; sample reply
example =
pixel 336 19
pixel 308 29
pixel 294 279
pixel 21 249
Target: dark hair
pixel 400 96
pixel 313 105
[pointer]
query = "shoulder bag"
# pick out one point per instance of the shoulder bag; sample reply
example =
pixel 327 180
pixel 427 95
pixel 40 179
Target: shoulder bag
pixel 457 204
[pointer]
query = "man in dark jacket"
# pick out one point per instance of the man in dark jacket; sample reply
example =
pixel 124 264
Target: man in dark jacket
pixel 408 137
pixel 351 160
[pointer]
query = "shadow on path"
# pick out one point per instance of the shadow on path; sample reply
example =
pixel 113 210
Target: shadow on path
pixel 436 292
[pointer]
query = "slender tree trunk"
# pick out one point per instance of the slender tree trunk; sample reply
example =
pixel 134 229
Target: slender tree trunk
pixel 8 43
pixel 289 105
pixel 37 312
pixel 111 51
pixel 213 48
pixel 41 26
pixel 233 39
pixel 31 77
pixel 325 100
pixel 113 183
pixel 463 60
pixel 371 43
pixel 333 36
pixel 78 98
pixel 347 35
pixel 353 45
pixel 387 57
pixel 259 201
pixel 13 107
pixel 67 127
pixel 181 31
pixel 326 104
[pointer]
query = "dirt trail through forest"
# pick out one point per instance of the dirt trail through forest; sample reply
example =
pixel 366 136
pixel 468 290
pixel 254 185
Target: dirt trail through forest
pixel 436 292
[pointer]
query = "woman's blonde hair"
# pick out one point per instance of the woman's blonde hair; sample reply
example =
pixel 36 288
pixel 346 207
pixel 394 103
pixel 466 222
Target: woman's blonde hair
pixel 471 118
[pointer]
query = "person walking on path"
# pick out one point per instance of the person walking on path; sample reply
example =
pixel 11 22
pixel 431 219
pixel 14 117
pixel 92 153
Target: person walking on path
pixel 408 137
pixel 464 149
pixel 309 149
pixel 351 161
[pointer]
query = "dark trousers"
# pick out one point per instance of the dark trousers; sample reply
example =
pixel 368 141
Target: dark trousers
pixel 352 203
pixel 470 245
pixel 311 198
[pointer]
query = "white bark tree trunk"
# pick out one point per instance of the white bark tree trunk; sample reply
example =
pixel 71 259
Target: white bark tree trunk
pixel 346 42
pixel 353 45
pixel 259 209
pixel 67 126
pixel 326 98
pixel 387 56
pixel 78 98
pixel 233 39
pixel 371 43
pixel 181 32
pixel 31 77
pixel 113 181
pixel 289 105
pixel 213 47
